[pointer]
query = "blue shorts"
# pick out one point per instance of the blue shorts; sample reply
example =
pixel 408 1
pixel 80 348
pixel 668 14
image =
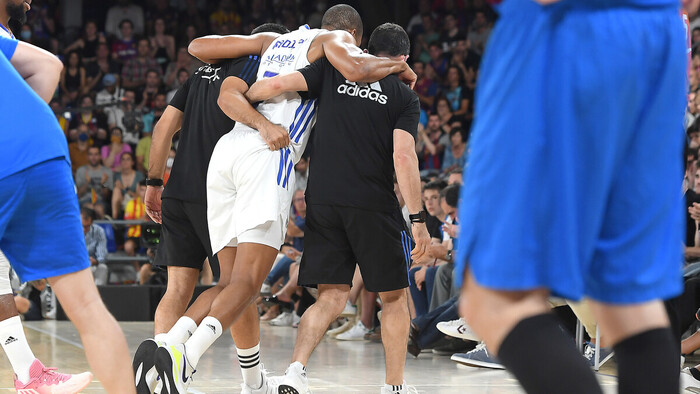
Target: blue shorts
pixel 575 169
pixel 40 227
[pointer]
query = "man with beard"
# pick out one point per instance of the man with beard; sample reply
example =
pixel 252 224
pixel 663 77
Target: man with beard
pixel 12 10
pixel 40 228
pixel 195 111
pixel 353 216
pixel 249 187
pixel 13 340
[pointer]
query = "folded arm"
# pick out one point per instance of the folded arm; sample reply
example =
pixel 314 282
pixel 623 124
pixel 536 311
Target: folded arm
pixel 234 104
pixel 212 49
pixel 271 87
pixel 357 66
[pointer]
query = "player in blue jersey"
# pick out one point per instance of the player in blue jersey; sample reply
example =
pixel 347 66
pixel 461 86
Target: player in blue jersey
pixel 40 227
pixel 580 103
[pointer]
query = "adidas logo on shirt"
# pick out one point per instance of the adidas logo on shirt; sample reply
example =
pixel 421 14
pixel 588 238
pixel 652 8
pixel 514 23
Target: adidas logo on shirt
pixel 10 340
pixel 372 91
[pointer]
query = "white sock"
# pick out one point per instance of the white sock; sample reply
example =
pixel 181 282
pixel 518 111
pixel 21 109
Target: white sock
pixel 161 338
pixel 181 331
pixel 249 359
pixel 394 388
pixel 202 338
pixel 15 345
pixel 297 368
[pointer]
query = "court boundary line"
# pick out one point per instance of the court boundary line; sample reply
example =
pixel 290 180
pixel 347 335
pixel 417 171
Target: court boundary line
pixel 53 335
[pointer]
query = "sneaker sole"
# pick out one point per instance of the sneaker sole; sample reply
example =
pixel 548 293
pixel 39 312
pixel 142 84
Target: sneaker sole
pixel 455 334
pixel 285 389
pixel 74 385
pixel 164 366
pixel 144 360
pixel 476 363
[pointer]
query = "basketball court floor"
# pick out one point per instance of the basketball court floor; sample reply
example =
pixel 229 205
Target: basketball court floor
pixel 335 367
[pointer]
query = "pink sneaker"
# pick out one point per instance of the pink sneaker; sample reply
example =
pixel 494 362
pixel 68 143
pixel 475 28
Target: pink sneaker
pixel 44 380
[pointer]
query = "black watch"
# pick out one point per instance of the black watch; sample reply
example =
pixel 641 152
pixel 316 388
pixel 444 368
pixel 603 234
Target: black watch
pixel 419 217
pixel 154 182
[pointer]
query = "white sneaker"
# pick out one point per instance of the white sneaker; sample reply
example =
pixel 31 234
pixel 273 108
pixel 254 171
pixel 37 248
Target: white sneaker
pixel 349 323
pixel 265 289
pixel 269 385
pixel 174 368
pixel 349 311
pixel 294 380
pixel 283 320
pixel 458 329
pixel 688 382
pixel 356 333
pixel 405 389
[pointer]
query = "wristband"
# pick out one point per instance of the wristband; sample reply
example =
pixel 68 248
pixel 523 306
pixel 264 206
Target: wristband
pixel 154 182
pixel 419 217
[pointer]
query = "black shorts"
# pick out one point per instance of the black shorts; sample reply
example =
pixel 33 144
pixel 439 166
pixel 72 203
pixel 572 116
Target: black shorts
pixel 336 238
pixel 184 235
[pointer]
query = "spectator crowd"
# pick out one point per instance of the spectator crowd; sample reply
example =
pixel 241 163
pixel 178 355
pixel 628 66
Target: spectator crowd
pixel 124 60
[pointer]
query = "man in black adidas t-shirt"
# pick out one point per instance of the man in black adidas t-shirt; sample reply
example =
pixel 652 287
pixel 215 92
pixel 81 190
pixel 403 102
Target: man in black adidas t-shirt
pixel 364 132
pixel 203 109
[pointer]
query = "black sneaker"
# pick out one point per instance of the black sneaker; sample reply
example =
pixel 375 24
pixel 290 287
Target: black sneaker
pixel 452 346
pixel 144 367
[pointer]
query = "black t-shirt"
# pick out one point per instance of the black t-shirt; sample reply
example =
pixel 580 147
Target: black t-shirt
pixel 690 198
pixel 353 142
pixel 203 123
pixel 434 226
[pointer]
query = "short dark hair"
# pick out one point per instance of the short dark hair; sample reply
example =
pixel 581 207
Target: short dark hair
pixel 123 21
pixel 458 170
pixel 270 28
pixel 94 147
pixel 152 70
pixel 451 195
pixel 143 39
pixel 342 17
pixel 389 39
pixel 88 213
pixel 437 184
pixel 456 130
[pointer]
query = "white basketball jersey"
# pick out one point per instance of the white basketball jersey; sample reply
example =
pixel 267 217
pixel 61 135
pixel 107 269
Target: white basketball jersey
pixel 287 54
pixel 4 32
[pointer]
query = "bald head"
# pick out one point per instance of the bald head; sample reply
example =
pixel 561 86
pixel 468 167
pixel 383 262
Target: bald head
pixel 343 17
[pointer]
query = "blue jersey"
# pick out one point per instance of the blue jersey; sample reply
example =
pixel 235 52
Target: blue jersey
pixel 29 131
pixel 597 3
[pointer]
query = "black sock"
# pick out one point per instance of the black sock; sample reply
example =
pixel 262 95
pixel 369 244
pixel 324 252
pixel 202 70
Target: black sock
pixel 559 368
pixel 648 363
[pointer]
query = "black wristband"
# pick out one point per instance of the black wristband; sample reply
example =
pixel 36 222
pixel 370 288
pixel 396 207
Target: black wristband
pixel 154 182
pixel 419 217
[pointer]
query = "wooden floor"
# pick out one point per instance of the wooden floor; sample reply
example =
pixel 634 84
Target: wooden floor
pixel 335 367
